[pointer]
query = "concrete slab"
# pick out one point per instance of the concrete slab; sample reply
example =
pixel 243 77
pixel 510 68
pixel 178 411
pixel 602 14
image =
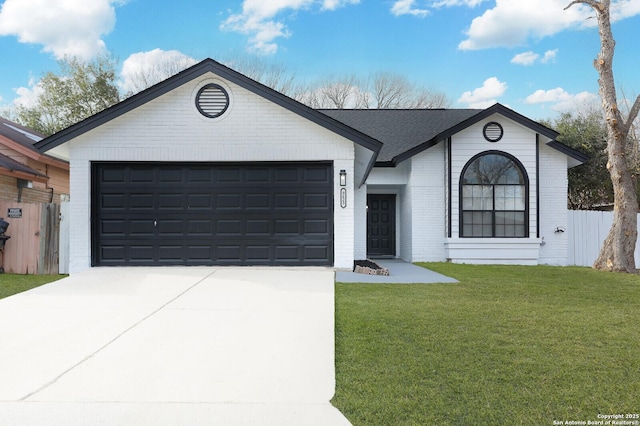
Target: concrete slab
pixel 400 272
pixel 171 346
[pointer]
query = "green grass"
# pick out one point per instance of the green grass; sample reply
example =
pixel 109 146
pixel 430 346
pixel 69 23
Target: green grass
pixel 11 284
pixel 508 345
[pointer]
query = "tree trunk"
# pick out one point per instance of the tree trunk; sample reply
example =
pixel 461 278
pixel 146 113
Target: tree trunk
pixel 617 252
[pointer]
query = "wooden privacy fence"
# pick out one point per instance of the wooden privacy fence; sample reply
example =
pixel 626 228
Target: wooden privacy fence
pixel 35 237
pixel 587 231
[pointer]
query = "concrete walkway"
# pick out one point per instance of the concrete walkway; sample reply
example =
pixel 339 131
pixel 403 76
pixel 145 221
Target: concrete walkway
pixel 171 346
pixel 400 272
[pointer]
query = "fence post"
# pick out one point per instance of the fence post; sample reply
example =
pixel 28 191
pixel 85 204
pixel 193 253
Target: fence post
pixel 65 225
pixel 49 239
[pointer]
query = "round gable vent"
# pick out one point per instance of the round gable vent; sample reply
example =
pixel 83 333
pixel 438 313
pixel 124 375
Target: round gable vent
pixel 492 131
pixel 212 101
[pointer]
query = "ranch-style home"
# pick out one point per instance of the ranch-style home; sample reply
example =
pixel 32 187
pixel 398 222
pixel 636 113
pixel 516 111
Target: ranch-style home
pixel 212 168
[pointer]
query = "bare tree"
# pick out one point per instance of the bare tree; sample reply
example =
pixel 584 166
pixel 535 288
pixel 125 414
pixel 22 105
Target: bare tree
pixel 383 90
pixel 333 92
pixel 617 252
pixel 393 91
pixel 271 74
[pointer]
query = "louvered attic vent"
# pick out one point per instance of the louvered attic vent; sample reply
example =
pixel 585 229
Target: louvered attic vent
pixel 492 131
pixel 212 101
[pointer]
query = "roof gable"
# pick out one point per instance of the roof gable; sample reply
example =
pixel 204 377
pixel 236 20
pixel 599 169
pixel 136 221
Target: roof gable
pixel 201 68
pixel 406 133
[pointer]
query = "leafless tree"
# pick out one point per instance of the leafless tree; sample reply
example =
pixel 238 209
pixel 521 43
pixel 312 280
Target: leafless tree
pixel 393 91
pixel 271 74
pixel 383 90
pixel 617 252
pixel 334 92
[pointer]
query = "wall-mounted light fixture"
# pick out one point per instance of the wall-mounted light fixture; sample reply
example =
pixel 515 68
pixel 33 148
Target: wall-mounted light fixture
pixel 343 177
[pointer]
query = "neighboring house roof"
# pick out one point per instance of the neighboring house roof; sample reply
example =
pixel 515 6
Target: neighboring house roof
pixel 22 139
pixel 407 132
pixel 11 167
pixel 18 133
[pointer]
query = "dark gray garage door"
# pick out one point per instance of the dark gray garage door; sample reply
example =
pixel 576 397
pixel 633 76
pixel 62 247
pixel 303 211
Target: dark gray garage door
pixel 212 214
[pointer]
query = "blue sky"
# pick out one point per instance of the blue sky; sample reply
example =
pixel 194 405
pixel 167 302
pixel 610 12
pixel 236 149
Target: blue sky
pixel 530 55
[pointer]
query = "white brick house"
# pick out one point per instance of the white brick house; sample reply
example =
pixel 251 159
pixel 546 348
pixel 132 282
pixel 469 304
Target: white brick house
pixel 210 167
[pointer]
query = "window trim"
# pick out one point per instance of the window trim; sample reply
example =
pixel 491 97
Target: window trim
pixel 461 211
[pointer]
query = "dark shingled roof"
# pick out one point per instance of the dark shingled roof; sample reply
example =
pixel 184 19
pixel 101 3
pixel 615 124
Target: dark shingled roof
pixel 14 166
pixel 20 134
pixel 401 130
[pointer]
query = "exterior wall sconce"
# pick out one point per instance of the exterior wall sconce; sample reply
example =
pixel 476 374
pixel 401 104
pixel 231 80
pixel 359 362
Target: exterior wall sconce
pixel 343 190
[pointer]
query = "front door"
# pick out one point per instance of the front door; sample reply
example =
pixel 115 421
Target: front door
pixel 381 225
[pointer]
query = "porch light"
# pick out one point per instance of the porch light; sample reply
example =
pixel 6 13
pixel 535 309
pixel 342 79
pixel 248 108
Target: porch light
pixel 343 177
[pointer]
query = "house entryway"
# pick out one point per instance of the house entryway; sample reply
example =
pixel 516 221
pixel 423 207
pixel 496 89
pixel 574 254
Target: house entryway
pixel 381 225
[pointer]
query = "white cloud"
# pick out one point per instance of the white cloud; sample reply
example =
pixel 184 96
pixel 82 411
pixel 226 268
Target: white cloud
pixel 28 96
pixel 144 69
pixel 530 58
pixel 69 27
pixel 258 20
pixel 549 56
pixel 525 58
pixel 451 3
pixel 335 4
pixel 511 23
pixel 484 96
pixel 561 100
pixel 407 7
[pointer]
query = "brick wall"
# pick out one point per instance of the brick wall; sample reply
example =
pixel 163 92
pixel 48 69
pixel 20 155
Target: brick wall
pixel 553 206
pixel 170 128
pixel 428 194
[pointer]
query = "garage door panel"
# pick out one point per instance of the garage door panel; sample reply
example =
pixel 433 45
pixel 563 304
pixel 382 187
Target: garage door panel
pixel 142 202
pixel 209 214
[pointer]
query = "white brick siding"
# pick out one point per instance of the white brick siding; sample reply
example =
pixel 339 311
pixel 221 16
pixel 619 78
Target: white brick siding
pixel 553 206
pixel 428 211
pixel 170 128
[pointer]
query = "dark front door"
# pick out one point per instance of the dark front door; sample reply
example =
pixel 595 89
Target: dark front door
pixel 212 214
pixel 381 225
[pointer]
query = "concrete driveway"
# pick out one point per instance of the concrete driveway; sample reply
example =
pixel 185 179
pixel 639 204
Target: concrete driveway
pixel 171 346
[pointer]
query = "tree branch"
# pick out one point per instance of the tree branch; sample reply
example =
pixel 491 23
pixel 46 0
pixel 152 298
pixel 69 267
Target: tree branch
pixel 633 113
pixel 593 3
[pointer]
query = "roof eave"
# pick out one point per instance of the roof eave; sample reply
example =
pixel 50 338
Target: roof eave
pixel 579 156
pixel 494 109
pixel 203 67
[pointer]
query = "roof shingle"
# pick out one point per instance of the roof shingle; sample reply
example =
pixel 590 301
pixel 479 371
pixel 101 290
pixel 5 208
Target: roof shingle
pixel 400 130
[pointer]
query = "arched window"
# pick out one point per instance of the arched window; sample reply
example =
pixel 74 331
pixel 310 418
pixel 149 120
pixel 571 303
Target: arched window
pixel 494 193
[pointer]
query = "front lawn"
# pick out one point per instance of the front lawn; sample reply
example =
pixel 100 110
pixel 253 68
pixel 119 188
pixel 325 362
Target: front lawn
pixel 510 345
pixel 11 283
